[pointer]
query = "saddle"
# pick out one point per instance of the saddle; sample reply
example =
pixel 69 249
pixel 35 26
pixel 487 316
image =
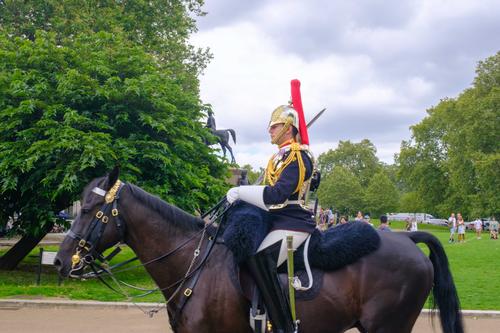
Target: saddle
pixel 328 251
pixel 243 281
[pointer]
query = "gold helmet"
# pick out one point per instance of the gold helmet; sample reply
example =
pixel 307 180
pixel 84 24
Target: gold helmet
pixel 284 114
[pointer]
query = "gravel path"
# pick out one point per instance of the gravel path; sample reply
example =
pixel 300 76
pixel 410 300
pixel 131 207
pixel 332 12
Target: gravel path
pixel 63 320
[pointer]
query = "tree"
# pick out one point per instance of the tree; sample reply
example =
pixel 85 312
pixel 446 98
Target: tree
pixel 358 158
pixel 452 161
pixel 381 195
pixel 77 100
pixel 161 27
pixel 341 190
pixel 411 202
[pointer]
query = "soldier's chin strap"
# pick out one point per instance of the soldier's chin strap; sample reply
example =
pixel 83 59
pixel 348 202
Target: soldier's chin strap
pixel 283 130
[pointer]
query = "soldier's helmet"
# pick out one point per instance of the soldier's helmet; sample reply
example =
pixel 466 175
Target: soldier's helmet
pixel 285 114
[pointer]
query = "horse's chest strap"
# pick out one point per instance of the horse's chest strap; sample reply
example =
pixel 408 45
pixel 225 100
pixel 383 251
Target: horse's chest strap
pixel 190 284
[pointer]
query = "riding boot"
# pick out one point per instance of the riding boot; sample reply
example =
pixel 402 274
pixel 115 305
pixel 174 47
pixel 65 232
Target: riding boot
pixel 263 268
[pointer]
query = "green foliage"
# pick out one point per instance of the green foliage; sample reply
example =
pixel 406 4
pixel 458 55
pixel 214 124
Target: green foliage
pixel 411 202
pixel 252 174
pixel 381 195
pixel 112 82
pixel 350 171
pixel 358 158
pixel 161 27
pixel 341 190
pixel 452 161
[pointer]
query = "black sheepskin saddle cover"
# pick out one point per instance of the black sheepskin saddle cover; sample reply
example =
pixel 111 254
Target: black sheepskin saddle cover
pixel 246 226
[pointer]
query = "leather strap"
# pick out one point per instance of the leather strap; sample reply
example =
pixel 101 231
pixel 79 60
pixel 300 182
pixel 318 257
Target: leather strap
pixel 188 291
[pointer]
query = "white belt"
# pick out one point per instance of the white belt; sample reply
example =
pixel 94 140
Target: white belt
pixel 294 202
pixel 286 203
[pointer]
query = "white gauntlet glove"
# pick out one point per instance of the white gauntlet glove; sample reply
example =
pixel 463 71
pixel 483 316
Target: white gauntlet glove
pixel 253 194
pixel 233 194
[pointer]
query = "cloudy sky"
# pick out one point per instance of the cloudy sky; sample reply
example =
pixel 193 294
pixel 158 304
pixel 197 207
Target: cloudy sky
pixel 376 65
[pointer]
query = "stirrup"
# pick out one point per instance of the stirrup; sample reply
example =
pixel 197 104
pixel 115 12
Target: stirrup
pixel 258 322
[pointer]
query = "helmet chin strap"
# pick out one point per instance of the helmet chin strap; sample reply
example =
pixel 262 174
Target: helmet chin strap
pixel 286 126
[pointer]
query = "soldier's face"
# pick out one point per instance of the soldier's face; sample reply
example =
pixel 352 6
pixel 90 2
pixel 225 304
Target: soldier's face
pixel 275 130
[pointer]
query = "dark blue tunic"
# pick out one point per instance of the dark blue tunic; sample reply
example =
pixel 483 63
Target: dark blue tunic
pixel 293 216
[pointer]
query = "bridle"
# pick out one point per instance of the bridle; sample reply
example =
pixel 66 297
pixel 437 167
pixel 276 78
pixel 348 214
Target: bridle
pixel 86 250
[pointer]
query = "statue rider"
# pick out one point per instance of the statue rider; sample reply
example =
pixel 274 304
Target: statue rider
pixel 282 196
pixel 211 121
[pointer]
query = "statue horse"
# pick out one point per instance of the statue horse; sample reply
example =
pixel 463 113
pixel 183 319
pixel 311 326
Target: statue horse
pixel 381 292
pixel 222 135
pixel 223 140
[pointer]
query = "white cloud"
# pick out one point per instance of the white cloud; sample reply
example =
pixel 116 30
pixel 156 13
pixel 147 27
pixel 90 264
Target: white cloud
pixel 376 65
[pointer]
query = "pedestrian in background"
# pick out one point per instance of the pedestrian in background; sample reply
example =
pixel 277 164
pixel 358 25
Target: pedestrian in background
pixel 452 223
pixel 407 224
pixel 384 224
pixel 414 226
pixel 478 225
pixel 493 228
pixel 329 218
pixel 359 217
pixel 461 228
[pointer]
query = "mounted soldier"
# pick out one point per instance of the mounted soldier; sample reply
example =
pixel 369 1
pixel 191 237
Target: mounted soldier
pixel 282 196
pixel 211 121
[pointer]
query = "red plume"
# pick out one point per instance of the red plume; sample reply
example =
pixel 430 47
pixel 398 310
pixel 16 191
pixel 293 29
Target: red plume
pixel 297 105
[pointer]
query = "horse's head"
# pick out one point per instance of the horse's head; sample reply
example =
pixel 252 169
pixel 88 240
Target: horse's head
pixel 96 227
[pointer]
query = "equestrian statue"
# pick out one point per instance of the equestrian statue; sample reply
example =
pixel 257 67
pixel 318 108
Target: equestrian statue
pixel 222 135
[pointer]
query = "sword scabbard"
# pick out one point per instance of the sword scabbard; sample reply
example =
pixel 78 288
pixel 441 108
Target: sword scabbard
pixel 291 273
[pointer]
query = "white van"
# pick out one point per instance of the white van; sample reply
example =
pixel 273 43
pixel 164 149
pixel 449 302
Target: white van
pixel 419 217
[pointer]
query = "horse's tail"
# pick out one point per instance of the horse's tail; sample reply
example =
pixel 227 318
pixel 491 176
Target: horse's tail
pixel 233 134
pixel 444 291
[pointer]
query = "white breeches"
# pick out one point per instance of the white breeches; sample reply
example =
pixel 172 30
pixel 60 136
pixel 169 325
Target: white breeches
pixel 277 235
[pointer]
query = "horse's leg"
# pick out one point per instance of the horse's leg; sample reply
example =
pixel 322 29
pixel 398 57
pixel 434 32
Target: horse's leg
pixel 335 308
pixel 223 148
pixel 231 152
pixel 403 282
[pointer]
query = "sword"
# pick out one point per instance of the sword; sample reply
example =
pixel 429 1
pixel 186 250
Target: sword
pixel 315 118
pixel 291 274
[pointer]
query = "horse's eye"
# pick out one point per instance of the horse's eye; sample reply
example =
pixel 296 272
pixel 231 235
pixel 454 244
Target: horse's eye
pixel 85 210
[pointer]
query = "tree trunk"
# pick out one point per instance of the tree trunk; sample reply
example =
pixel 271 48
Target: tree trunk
pixel 20 250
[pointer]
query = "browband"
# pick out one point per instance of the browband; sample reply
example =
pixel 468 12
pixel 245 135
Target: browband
pixel 99 191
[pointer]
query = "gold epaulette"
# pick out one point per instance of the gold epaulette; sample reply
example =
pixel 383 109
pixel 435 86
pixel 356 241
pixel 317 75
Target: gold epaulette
pixel 275 166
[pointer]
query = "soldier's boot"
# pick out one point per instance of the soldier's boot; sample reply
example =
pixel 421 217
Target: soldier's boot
pixel 263 268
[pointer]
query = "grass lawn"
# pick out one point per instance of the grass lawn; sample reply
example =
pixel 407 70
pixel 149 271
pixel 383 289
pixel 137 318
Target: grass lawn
pixel 21 283
pixel 475 266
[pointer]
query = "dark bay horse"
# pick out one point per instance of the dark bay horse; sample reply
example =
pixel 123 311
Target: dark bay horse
pixel 382 292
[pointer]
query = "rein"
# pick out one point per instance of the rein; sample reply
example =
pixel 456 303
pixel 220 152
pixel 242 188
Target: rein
pixel 88 243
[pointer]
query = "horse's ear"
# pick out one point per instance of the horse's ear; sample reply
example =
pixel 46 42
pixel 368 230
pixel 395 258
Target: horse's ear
pixel 113 176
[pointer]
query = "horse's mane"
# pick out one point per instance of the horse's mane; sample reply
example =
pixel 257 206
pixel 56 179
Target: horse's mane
pixel 174 215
